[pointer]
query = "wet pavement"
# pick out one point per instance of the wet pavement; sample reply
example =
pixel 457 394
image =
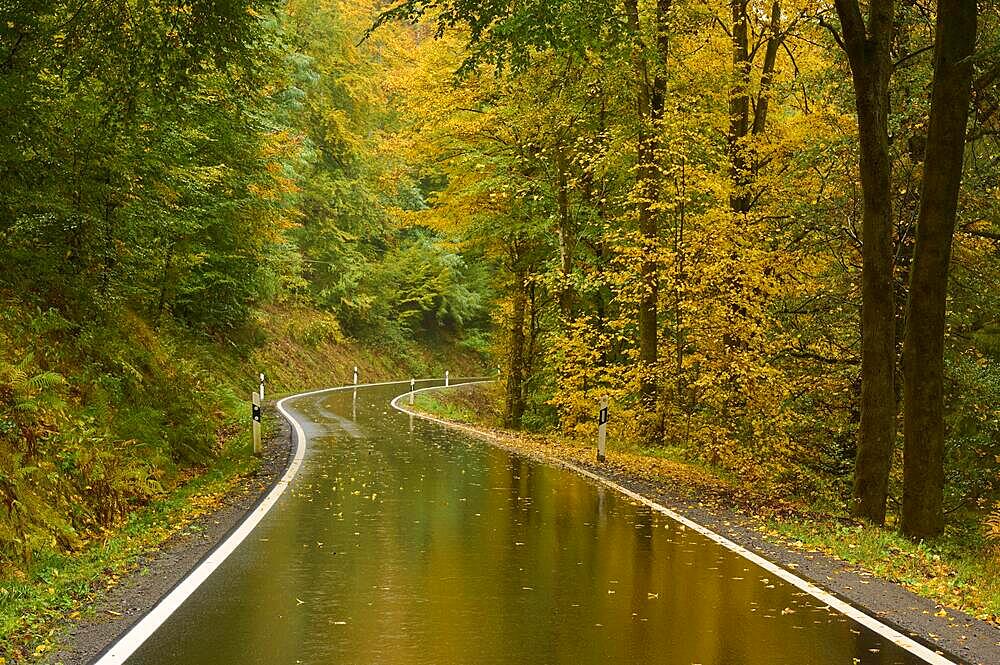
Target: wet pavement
pixel 403 542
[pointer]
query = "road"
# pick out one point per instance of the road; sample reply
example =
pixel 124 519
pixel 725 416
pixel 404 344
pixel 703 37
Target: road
pixel 400 541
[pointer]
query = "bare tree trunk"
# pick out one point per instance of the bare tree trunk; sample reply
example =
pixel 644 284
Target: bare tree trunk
pixel 164 282
pixel 680 277
pixel 774 42
pixel 868 51
pixel 745 122
pixel 108 250
pixel 923 344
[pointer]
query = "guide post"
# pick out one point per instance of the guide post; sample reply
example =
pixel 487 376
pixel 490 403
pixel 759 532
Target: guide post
pixel 413 386
pixel 255 414
pixel 602 428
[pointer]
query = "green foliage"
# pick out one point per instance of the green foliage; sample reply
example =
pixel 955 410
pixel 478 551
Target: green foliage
pixel 508 32
pixel 973 422
pixel 131 156
pixel 418 286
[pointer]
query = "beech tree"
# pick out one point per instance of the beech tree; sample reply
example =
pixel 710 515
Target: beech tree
pixel 923 345
pixel 867 44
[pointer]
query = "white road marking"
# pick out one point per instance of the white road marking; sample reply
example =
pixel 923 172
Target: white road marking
pixel 128 643
pixel 866 620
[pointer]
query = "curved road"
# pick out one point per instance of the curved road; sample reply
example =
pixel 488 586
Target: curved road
pixel 400 541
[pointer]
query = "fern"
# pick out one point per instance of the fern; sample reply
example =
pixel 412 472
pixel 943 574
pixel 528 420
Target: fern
pixel 993 527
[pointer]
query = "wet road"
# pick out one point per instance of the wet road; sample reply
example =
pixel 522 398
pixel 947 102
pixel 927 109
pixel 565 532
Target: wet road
pixel 402 542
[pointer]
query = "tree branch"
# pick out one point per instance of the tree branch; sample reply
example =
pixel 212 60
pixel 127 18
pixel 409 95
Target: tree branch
pixel 833 31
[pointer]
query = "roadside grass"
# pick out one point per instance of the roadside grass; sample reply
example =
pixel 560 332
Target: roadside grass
pixel 444 409
pixel 58 586
pixel 958 570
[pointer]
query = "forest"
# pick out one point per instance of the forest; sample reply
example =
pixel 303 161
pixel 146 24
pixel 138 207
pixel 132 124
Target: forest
pixel 767 230
pixel 181 185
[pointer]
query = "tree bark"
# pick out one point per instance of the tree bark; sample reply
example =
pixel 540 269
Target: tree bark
pixel 739 108
pixel 745 122
pixel 923 343
pixel 514 406
pixel 567 237
pixel 868 51
pixel 774 42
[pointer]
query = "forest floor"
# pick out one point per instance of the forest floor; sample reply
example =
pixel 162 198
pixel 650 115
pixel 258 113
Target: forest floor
pixel 944 594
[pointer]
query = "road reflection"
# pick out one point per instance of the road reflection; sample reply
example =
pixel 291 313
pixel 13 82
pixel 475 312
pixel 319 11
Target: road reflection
pixel 401 542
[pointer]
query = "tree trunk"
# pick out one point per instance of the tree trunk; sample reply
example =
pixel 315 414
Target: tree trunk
pixel 649 108
pixel 680 277
pixel 923 345
pixel 164 282
pixel 567 239
pixel 767 71
pixel 868 50
pixel 745 122
pixel 514 407
pixel 739 109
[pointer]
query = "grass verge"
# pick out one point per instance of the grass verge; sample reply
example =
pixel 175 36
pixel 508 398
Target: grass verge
pixel 58 585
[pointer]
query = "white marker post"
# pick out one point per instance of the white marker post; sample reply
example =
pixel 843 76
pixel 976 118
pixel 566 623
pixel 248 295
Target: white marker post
pixel 262 387
pixel 413 386
pixel 355 375
pixel 255 414
pixel 447 380
pixel 602 428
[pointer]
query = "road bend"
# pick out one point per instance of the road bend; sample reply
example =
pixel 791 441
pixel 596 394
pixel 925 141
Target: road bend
pixel 402 542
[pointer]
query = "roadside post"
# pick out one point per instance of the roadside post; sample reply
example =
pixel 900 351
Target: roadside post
pixel 355 375
pixel 413 386
pixel 602 428
pixel 255 414
pixel 262 387
pixel 447 380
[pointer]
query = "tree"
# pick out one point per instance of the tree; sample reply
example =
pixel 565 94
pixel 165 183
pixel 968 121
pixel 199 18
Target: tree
pixel 868 52
pixel 651 90
pixel 923 344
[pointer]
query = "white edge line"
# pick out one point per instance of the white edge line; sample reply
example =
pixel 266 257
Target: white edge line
pixel 128 643
pixel 829 599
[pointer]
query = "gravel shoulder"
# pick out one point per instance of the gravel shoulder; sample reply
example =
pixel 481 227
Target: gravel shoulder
pixel 159 571
pixel 962 638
